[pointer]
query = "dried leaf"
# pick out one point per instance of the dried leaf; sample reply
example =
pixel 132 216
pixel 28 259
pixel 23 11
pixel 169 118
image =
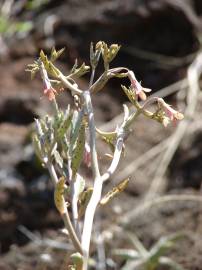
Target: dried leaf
pixel 58 196
pixel 115 191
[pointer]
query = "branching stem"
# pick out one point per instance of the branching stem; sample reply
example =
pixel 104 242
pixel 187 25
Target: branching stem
pixel 97 189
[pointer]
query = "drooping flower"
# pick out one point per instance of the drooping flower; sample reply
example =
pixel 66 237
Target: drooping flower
pixel 48 90
pixel 137 87
pixel 170 113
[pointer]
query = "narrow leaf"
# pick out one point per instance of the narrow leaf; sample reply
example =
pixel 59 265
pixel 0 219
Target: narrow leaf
pixel 84 199
pixel 115 191
pixel 58 196
pixel 78 151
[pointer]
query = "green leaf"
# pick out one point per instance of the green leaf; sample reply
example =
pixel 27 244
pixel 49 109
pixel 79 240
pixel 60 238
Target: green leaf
pixel 108 137
pixel 74 66
pixel 64 126
pixel 84 199
pixel 78 151
pixel 76 123
pixel 58 196
pixel 129 93
pixel 83 69
pixel 50 68
pixel 37 146
pixel 56 54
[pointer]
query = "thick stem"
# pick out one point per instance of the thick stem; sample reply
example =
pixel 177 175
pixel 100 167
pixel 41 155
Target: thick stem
pixel 89 217
pixel 97 189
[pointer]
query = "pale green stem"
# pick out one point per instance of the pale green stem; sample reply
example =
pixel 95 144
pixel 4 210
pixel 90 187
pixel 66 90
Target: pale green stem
pixel 116 156
pixel 97 189
pixel 65 215
pixel 67 84
pixel 74 206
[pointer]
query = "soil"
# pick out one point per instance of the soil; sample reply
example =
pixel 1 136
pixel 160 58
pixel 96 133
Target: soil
pixel 30 226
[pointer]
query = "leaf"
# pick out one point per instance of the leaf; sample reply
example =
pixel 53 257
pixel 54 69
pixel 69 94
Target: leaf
pixel 56 54
pixel 78 151
pixel 37 146
pixel 129 93
pixel 109 53
pixel 78 72
pixel 113 50
pixel 94 56
pixel 58 158
pixel 115 191
pixel 50 68
pixel 58 196
pixel 84 199
pixel 43 58
pixel 74 66
pixel 108 137
pixel 138 245
pixel 77 187
pixel 76 124
pixel 64 126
